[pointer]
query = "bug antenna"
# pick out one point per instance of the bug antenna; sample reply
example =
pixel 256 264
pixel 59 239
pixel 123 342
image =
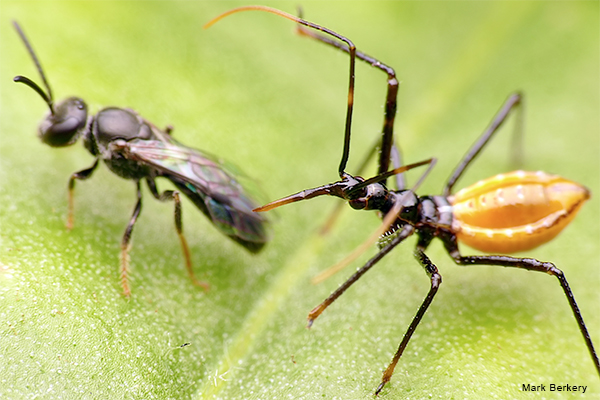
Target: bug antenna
pixel 332 189
pixel 388 220
pixel 351 51
pixel 47 96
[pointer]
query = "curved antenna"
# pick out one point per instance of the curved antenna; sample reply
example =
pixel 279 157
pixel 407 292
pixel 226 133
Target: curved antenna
pixel 351 50
pixel 46 96
pixel 388 220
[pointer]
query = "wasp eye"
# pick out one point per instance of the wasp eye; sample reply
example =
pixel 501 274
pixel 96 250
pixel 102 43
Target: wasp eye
pixel 64 127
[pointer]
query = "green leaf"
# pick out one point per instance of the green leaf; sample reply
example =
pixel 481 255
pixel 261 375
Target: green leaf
pixel 253 92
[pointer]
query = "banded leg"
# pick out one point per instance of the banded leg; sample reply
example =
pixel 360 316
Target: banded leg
pixel 436 281
pixel 531 264
pixel 125 243
pixel 174 195
pixel 513 101
pixel 80 175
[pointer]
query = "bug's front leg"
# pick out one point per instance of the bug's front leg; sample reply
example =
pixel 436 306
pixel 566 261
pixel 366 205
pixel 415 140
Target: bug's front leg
pixel 80 175
pixel 436 281
pixel 315 312
pixel 531 264
pixel 175 196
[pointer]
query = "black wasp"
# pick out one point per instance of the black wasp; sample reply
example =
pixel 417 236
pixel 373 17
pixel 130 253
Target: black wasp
pixel 133 148
pixel 507 213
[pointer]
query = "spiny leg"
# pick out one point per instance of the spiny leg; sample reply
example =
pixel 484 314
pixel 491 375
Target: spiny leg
pixel 531 264
pixel 124 272
pixel 174 195
pixel 80 175
pixel 436 280
pixel 513 101
pixel 387 134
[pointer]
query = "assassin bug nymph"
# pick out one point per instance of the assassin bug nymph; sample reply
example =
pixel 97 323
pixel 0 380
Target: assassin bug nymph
pixel 133 148
pixel 507 213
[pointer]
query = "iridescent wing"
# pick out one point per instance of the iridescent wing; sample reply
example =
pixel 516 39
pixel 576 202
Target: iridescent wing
pixel 214 186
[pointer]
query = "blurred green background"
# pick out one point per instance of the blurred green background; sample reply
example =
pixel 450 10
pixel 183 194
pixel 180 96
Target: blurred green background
pixel 252 91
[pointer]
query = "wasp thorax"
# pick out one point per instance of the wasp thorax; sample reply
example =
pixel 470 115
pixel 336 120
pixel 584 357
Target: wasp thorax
pixel 66 124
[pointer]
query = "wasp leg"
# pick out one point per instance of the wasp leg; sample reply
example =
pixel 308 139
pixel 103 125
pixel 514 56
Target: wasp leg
pixel 513 101
pixel 315 312
pixel 174 195
pixel 125 243
pixel 436 281
pixel 531 264
pixel 387 134
pixel 81 175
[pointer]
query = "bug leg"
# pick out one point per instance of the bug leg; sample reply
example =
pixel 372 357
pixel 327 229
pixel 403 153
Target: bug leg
pixel 125 243
pixel 174 195
pixel 81 175
pixel 436 280
pixel 315 312
pixel 531 264
pixel 387 133
pixel 513 101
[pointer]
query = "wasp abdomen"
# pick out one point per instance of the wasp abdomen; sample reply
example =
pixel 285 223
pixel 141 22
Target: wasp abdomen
pixel 516 211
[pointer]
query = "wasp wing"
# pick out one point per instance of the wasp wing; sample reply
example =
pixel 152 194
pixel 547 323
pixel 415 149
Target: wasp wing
pixel 214 186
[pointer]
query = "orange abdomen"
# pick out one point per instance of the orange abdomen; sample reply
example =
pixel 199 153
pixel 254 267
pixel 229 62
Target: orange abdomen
pixel 516 211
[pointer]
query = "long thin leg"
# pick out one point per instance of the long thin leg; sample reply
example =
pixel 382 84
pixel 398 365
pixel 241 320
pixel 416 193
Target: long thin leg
pixel 513 101
pixel 436 281
pixel 531 264
pixel 387 133
pixel 174 195
pixel 315 312
pixel 396 158
pixel 80 175
pixel 125 243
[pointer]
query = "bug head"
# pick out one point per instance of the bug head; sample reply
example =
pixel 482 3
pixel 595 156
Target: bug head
pixel 66 121
pixel 369 197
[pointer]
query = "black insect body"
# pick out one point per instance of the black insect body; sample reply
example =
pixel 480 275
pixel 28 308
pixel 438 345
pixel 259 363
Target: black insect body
pixel 135 149
pixel 507 213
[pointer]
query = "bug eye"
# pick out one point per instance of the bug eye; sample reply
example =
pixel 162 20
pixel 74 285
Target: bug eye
pixel 358 204
pixel 64 127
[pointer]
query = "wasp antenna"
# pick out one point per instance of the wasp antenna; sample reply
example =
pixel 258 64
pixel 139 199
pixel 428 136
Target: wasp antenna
pixel 46 96
pixel 332 189
pixel 351 51
pixel 25 80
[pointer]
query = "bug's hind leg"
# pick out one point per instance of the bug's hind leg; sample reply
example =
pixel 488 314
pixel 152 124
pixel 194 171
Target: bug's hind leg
pixel 80 175
pixel 436 281
pixel 531 264
pixel 174 195
pixel 513 102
